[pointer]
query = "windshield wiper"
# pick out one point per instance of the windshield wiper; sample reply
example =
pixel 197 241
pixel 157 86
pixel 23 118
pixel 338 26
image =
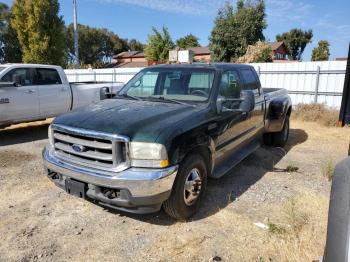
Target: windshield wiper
pixel 162 98
pixel 129 96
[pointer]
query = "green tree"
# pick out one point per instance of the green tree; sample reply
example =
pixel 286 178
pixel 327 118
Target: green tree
pixel 187 41
pixel 295 41
pixel 96 45
pixel 10 51
pixel 158 45
pixel 321 52
pixel 40 31
pixel 235 29
pixel 134 45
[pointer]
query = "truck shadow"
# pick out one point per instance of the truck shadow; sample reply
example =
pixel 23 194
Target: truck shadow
pixel 221 192
pixel 23 134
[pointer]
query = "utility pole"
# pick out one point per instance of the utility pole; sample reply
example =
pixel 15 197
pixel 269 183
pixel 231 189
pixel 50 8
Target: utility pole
pixel 76 36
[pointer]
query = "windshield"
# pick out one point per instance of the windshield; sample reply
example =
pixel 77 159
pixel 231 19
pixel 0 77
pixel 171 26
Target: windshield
pixel 183 84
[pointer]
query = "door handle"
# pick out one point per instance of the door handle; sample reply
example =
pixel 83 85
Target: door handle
pixel 30 91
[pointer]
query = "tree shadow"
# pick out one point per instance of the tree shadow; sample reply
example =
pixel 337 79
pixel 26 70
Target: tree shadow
pixel 221 192
pixel 23 134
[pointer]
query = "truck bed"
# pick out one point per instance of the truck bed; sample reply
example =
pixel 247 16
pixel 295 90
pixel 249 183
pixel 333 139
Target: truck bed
pixel 274 92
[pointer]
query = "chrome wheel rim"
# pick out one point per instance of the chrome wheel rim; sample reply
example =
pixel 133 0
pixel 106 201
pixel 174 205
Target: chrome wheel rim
pixel 193 186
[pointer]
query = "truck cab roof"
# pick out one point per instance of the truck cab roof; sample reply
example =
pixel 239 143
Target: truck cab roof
pixel 29 65
pixel 217 66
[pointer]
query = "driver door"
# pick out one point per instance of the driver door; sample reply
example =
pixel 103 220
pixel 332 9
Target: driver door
pixel 234 126
pixel 21 102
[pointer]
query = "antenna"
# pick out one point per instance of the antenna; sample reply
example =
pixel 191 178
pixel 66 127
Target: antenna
pixel 76 36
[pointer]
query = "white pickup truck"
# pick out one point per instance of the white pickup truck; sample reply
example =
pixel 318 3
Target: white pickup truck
pixel 30 92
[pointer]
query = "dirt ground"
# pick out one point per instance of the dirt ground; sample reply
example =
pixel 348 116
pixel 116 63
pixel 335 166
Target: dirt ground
pixel 39 222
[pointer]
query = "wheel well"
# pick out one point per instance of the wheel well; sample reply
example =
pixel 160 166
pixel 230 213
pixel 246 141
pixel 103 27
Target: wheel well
pixel 206 154
pixel 289 111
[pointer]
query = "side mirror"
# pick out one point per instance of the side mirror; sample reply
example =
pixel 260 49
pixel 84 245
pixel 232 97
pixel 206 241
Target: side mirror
pixel 245 103
pixel 104 93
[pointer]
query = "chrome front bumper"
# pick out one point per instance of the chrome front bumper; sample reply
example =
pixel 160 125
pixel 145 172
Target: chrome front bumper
pixel 140 183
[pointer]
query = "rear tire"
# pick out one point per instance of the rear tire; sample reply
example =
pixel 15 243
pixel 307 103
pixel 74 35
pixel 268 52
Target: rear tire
pixel 280 139
pixel 267 139
pixel 188 188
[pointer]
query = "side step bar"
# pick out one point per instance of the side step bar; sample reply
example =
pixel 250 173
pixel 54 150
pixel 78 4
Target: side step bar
pixel 228 164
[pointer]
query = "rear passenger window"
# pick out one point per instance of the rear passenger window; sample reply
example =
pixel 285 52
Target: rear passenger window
pixel 248 76
pixel 46 76
pixel 250 80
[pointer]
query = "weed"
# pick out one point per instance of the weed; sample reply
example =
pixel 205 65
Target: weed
pixel 276 229
pixel 292 168
pixel 295 217
pixel 260 259
pixel 327 169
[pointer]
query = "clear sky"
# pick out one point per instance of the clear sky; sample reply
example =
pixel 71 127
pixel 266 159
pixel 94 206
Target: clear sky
pixel 329 20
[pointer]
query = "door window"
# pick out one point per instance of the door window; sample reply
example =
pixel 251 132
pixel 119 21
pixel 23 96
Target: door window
pixel 22 76
pixel 47 76
pixel 145 85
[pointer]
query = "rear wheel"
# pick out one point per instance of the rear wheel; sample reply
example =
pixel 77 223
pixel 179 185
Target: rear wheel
pixel 267 139
pixel 188 189
pixel 280 139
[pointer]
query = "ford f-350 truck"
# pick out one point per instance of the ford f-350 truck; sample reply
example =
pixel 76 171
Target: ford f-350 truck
pixel 168 130
pixel 30 92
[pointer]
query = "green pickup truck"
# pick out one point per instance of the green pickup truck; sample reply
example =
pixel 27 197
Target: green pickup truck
pixel 168 130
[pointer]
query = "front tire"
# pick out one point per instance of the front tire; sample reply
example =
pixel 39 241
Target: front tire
pixel 188 188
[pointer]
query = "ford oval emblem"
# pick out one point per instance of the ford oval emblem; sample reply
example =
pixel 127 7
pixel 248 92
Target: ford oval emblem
pixel 78 148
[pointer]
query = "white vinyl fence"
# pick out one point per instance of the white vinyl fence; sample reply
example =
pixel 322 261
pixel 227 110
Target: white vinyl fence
pixel 306 82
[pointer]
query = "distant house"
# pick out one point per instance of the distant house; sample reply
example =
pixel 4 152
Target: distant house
pixel 130 59
pixel 201 54
pixel 138 59
pixel 279 52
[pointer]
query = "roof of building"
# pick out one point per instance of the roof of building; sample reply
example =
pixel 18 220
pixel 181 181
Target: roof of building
pixel 128 54
pixel 131 64
pixel 341 59
pixel 201 50
pixel 276 45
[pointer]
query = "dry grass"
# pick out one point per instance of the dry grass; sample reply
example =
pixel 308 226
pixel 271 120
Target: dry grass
pixel 327 169
pixel 300 235
pixel 316 113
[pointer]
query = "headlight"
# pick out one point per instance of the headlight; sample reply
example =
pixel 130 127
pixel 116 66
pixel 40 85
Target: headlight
pixel 50 135
pixel 148 155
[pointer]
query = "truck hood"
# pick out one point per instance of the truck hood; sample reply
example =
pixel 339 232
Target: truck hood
pixel 139 120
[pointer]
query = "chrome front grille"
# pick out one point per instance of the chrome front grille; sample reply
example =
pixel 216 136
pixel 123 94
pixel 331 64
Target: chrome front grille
pixel 90 148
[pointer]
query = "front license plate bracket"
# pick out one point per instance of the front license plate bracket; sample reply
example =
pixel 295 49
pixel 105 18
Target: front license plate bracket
pixel 76 188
